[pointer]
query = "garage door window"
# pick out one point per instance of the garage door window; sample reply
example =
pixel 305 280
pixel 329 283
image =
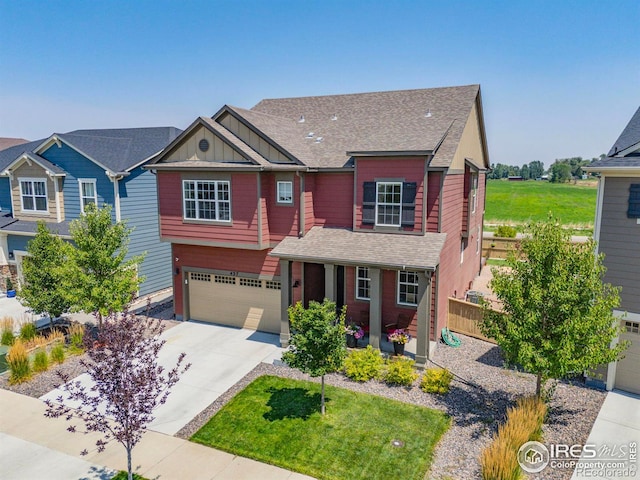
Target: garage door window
pixel 201 277
pixel 632 327
pixel 225 279
pixel 250 282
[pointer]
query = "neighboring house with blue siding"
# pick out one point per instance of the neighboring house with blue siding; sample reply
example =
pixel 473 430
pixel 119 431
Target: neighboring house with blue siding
pixel 54 178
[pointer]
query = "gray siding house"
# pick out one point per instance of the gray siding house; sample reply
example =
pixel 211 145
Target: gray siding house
pixel 617 231
pixel 54 178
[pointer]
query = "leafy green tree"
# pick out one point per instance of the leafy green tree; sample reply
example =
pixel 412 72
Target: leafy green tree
pixel 45 272
pixel 317 344
pixel 558 314
pixel 560 172
pixel 103 281
pixel 536 169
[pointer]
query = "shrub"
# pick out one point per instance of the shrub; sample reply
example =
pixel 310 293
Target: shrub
pixel 28 331
pixel 41 361
pixel 76 337
pixel 6 325
pixel 499 461
pixel 363 365
pixel 18 362
pixel 436 380
pixel 400 371
pixel 57 354
pixel 505 231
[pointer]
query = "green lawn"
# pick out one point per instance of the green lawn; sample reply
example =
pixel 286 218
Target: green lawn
pixel 278 421
pixel 521 202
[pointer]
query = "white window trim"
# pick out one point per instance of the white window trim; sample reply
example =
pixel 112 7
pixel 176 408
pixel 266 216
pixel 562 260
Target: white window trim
pixel 378 184
pixel 399 282
pixel 95 191
pixel 462 251
pixel 197 218
pixel 46 195
pixel 366 279
pixel 279 198
pixel 474 192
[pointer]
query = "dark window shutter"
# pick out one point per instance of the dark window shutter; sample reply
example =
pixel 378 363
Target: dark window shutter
pixel 634 201
pixel 408 204
pixel 369 203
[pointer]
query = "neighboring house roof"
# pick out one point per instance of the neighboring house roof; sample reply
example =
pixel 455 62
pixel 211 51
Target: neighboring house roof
pixel 625 152
pixel 6 220
pixel 24 226
pixel 51 169
pixel 6 142
pixel 118 150
pixel 344 246
pixel 396 121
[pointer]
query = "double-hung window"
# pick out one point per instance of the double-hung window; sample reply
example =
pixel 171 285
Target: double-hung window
pixel 474 192
pixel 363 283
pixel 407 288
pixel 87 192
pixel 388 203
pixel 285 192
pixel 207 200
pixel 33 194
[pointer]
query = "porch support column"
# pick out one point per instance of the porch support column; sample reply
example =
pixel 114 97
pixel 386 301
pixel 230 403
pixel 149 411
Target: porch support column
pixel 285 301
pixel 424 319
pixel 375 307
pixel 330 281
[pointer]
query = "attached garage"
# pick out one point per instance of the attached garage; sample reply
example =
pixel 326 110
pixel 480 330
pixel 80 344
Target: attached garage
pixel 240 300
pixel 628 369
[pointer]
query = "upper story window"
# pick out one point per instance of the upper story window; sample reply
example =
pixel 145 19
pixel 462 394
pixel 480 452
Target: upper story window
pixel 88 192
pixel 363 283
pixel 284 192
pixel 408 288
pixel 207 200
pixel 474 192
pixel 33 195
pixel 389 203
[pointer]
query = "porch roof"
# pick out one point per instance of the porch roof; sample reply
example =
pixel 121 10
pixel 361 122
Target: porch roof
pixel 345 247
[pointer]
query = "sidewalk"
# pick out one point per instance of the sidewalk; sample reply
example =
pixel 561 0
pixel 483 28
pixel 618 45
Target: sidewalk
pixel 57 451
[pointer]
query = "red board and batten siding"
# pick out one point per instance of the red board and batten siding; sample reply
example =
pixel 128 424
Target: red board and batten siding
pixel 409 169
pixel 283 219
pixel 434 182
pixel 231 259
pixel 333 200
pixel 309 195
pixel 244 214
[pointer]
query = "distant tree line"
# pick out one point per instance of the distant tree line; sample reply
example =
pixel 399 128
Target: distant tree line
pixel 562 170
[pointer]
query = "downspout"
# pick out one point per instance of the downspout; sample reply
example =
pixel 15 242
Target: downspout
pixel 115 177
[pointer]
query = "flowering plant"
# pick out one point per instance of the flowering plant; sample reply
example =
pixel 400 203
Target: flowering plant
pixel 399 336
pixel 355 330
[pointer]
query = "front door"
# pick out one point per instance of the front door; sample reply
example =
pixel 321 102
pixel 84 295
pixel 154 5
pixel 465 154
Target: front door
pixel 313 283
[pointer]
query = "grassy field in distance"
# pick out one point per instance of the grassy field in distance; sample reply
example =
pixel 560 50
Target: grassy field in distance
pixel 517 203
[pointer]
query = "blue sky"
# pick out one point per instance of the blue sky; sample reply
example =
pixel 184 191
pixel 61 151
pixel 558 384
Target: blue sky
pixel 559 78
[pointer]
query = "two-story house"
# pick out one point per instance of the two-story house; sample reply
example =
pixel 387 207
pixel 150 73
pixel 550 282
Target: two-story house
pixel 373 200
pixel 617 231
pixel 53 179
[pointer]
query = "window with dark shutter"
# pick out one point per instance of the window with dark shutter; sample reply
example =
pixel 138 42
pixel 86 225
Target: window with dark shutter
pixel 634 201
pixel 409 203
pixel 369 203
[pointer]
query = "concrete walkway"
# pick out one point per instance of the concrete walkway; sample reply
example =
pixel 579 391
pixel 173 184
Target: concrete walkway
pixel 617 425
pixel 33 446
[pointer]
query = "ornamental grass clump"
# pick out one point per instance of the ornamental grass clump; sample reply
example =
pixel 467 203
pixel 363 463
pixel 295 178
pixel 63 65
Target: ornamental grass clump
pixel 400 371
pixel 436 380
pixel 76 337
pixel 6 326
pixel 18 361
pixel 28 331
pixel 499 461
pixel 364 365
pixel 40 361
pixel 57 354
pixel 55 337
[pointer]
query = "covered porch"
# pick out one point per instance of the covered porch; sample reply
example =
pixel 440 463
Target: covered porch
pixel 401 271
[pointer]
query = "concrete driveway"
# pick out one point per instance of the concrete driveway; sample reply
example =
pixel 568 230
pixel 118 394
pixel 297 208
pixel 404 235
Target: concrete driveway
pixel 219 356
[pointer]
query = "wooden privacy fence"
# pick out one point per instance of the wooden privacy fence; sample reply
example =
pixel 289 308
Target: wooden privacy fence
pixel 464 318
pixel 497 247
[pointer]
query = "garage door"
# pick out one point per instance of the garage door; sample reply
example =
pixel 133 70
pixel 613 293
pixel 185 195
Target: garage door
pixel 627 370
pixel 236 301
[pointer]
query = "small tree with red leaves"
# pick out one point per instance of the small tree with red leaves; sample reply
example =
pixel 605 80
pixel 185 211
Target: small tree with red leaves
pixel 128 384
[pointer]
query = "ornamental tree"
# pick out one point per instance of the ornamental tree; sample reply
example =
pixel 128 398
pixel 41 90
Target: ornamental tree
pixel 557 315
pixel 127 382
pixel 45 271
pixel 317 345
pixel 103 281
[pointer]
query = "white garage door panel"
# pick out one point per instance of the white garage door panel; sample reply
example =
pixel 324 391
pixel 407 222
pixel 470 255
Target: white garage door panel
pixel 628 369
pixel 235 301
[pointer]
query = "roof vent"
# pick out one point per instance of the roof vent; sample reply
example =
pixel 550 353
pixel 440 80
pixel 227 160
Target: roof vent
pixel 319 139
pixel 310 135
pixel 203 145
pixel 334 117
pixel 301 119
pixel 428 114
